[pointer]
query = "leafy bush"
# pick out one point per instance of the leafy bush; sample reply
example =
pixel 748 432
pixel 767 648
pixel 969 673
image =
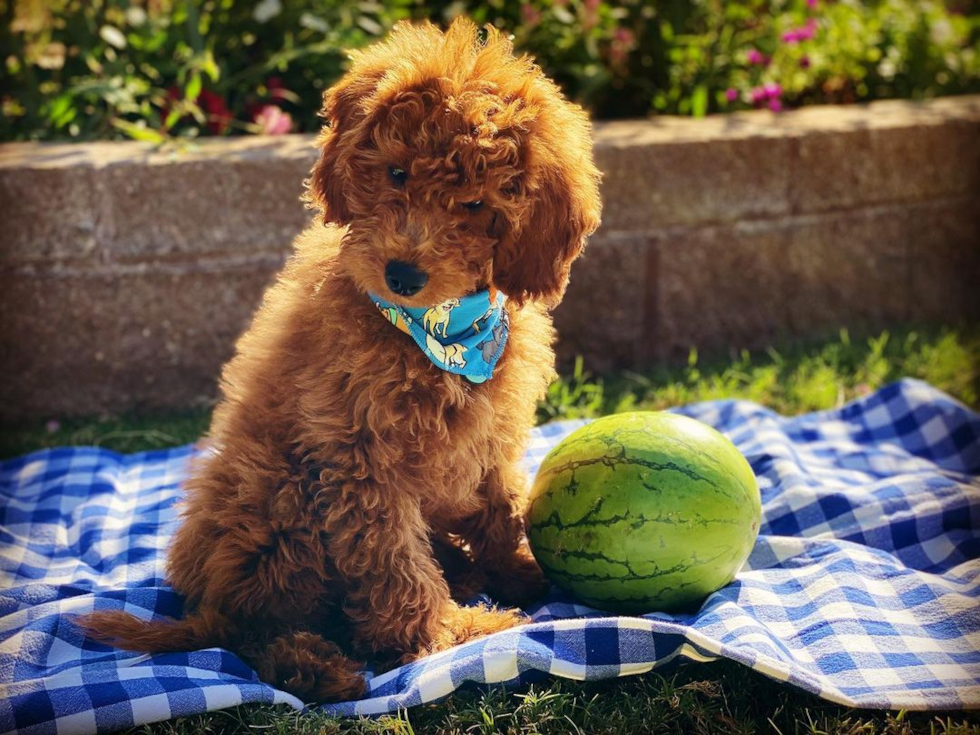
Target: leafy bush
pixel 107 68
pixel 155 69
pixel 694 57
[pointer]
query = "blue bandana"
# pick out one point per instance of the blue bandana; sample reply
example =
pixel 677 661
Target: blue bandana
pixel 465 336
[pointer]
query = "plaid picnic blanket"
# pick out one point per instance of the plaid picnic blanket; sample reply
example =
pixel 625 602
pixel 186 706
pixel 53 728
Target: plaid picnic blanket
pixel 863 587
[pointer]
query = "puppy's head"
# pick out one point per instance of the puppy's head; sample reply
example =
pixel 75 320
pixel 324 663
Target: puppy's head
pixel 455 166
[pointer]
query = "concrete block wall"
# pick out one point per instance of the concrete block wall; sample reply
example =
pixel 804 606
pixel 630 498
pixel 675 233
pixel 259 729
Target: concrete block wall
pixel 127 273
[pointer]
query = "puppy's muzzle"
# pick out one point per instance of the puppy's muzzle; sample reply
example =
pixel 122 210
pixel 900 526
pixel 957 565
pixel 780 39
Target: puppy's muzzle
pixel 404 279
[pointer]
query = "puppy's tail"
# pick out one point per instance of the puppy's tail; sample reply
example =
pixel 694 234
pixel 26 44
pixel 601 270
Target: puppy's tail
pixel 126 631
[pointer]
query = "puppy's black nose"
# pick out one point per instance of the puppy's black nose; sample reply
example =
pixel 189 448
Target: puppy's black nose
pixel 404 279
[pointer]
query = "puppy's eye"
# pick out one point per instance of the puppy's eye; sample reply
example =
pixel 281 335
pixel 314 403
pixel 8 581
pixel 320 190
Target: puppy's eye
pixel 398 175
pixel 473 206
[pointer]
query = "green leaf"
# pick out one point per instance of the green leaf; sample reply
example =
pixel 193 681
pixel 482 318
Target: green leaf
pixel 563 15
pixel 140 132
pixel 266 10
pixel 113 36
pixel 193 89
pixel 172 119
pixel 58 108
pixel 699 101
pixel 370 25
pixel 209 67
pixel 313 22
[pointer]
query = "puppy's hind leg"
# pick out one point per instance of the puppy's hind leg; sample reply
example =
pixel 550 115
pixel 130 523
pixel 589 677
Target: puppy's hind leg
pixel 308 666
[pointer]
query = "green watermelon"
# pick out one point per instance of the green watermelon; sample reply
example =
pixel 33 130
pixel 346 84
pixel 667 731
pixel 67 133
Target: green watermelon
pixel 643 511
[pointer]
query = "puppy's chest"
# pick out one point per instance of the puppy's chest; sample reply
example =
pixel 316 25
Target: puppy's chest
pixel 446 429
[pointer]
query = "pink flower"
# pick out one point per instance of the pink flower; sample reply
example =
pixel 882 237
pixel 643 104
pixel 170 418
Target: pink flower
pixel 804 33
pixel 622 43
pixel 775 105
pixel 768 92
pixel 731 94
pixel 273 121
pixel 53 426
pixel 754 56
pixel 623 36
pixel 530 14
pixel 811 4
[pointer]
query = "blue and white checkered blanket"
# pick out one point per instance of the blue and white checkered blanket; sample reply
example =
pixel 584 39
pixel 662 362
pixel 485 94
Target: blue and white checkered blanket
pixel 864 586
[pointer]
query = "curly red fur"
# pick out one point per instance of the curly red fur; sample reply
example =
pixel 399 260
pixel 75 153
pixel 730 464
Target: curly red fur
pixel 351 477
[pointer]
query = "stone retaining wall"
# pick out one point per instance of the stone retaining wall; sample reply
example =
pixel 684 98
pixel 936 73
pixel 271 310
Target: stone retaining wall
pixel 126 274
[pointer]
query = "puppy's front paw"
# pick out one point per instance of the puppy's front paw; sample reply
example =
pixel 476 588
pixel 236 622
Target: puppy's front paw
pixel 463 624
pixel 467 623
pixel 517 580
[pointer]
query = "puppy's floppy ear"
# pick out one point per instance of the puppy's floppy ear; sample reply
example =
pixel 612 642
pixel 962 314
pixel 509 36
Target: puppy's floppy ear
pixel 346 111
pixel 343 117
pixel 532 260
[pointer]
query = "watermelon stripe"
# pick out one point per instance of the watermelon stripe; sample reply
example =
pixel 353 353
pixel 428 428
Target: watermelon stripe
pixel 561 555
pixel 720 466
pixel 636 521
pixel 612 462
pixel 613 440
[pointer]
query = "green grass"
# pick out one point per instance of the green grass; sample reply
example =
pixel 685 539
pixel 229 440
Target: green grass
pixel 697 698
pixel 722 697
pixel 800 378
pixel 804 377
pixel 119 433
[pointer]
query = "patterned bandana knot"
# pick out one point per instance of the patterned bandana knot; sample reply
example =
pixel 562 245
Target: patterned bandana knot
pixel 465 336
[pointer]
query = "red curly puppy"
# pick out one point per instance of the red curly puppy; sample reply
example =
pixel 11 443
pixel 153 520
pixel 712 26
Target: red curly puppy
pixel 353 474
